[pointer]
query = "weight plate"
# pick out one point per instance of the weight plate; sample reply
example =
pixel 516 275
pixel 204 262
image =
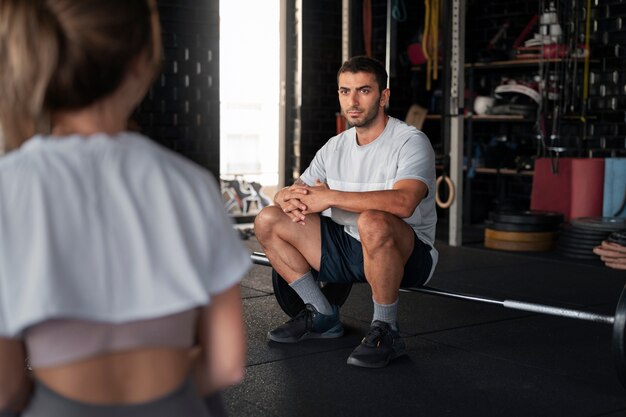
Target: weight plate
pixel 567 244
pixel 584 232
pixel 576 250
pixel 527 217
pixel 581 237
pixel 576 237
pixel 619 341
pixel 514 227
pixel 566 239
pixel 518 246
pixel 610 224
pixel 586 254
pixel 521 236
pixel 291 303
pixel 618 237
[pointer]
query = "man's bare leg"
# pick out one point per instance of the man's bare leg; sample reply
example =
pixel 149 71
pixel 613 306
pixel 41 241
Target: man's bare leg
pixel 292 248
pixel 387 243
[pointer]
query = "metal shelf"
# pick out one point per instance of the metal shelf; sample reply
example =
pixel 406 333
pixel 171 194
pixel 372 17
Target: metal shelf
pixel 496 171
pixel 521 63
pixel 512 63
pixel 488 118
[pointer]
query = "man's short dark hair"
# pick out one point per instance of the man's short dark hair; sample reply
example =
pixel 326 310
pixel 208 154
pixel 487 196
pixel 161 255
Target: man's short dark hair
pixel 366 64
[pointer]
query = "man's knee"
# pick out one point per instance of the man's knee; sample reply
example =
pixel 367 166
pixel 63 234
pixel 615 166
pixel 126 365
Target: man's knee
pixel 376 228
pixel 266 219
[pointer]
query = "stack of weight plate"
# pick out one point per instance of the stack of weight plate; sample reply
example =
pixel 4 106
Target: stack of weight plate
pixel 522 231
pixel 578 239
pixel 618 237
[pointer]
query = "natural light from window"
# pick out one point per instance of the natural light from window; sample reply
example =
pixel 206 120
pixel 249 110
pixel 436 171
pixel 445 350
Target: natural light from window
pixel 249 90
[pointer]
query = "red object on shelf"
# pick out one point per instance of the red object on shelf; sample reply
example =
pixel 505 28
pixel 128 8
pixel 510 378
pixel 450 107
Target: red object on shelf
pixel 555 50
pixel 524 34
pixel 572 186
pixel 340 123
pixel 415 51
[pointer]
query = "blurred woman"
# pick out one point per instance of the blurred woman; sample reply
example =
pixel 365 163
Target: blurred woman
pixel 119 268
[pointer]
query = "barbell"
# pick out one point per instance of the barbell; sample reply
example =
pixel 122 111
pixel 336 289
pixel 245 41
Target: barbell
pixel 337 293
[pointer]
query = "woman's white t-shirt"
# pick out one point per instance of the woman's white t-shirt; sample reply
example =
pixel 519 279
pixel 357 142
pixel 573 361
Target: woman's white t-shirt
pixel 109 228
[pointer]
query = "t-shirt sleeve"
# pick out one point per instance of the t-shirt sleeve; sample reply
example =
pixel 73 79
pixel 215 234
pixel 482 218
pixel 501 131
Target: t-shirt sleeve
pixel 317 169
pixel 417 160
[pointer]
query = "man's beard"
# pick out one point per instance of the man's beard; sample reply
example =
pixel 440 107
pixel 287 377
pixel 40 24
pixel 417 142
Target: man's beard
pixel 368 116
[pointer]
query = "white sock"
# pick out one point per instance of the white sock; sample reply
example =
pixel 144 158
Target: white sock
pixel 311 293
pixel 387 313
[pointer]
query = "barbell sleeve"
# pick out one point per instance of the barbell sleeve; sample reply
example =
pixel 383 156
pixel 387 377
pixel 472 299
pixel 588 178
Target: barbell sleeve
pixel 260 259
pixel 558 311
pixel 521 305
pixel 459 296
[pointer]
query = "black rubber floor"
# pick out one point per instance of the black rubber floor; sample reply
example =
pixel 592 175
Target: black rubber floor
pixel 464 358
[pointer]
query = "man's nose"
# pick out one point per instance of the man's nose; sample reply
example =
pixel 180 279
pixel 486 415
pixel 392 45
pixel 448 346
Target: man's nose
pixel 353 98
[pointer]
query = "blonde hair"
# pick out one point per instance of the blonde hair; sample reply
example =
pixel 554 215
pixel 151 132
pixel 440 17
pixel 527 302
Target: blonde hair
pixel 2 141
pixel 66 55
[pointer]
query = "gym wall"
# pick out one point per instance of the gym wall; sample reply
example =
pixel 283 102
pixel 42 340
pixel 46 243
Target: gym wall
pixel 181 110
pixel 321 58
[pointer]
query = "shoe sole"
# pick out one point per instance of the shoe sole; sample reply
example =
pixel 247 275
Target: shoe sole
pixel 357 362
pixel 330 334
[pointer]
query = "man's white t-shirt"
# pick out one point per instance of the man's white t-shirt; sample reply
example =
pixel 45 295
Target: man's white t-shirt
pixel 400 152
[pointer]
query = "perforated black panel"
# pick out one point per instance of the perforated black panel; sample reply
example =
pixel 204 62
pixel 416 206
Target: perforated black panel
pixel 181 110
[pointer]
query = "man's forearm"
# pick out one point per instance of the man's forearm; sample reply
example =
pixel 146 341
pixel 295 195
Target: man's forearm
pixel 395 202
pixel 400 201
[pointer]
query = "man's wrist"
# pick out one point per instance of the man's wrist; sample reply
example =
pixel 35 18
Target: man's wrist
pixel 277 197
pixel 333 197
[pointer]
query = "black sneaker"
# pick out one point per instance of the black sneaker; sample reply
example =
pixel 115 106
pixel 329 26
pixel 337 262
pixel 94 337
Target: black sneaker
pixel 378 347
pixel 308 324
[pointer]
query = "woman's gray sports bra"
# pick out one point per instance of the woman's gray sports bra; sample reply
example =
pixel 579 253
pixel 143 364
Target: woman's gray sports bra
pixel 61 341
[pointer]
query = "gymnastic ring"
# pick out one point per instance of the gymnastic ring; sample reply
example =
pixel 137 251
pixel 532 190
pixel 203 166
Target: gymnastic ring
pixel 451 194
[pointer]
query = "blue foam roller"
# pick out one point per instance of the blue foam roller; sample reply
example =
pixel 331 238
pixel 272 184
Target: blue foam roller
pixel 614 187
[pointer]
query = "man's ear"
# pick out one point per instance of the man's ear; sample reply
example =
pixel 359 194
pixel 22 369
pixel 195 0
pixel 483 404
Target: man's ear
pixel 384 97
